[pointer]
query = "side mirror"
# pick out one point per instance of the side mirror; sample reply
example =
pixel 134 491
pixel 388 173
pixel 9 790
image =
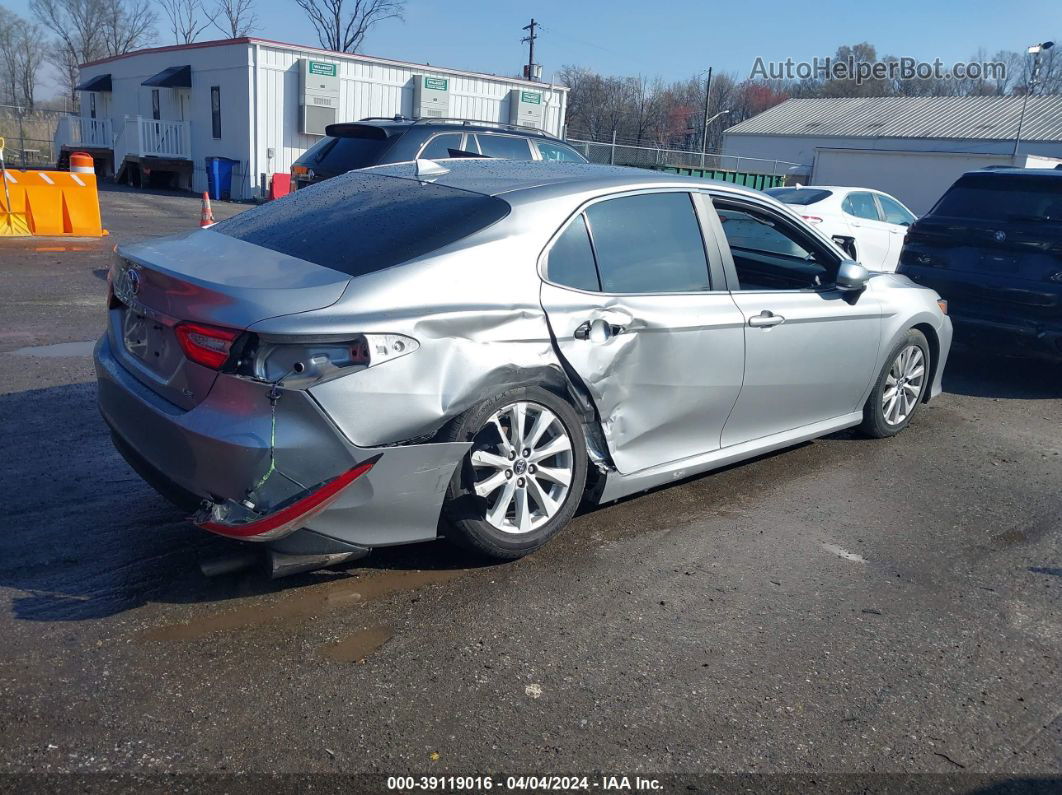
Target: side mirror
pixel 851 276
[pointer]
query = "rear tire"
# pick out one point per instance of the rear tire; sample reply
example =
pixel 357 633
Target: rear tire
pixel 900 388
pixel 523 479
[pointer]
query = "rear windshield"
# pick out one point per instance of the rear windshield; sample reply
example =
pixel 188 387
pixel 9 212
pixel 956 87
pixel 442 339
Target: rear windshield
pixel 340 155
pixel 1003 197
pixel 799 195
pixel 361 223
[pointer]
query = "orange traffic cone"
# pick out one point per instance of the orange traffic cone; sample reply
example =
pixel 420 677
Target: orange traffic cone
pixel 206 218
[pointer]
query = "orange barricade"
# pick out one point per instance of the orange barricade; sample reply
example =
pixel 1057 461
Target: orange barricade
pixel 50 203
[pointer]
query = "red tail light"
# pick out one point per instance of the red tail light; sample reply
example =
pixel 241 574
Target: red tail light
pixel 812 219
pixel 295 515
pixel 205 345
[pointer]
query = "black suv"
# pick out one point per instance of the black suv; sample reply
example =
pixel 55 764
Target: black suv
pixel 372 142
pixel 992 246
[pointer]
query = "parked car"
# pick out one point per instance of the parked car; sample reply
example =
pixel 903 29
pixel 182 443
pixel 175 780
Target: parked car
pixel 867 224
pixel 372 142
pixel 477 345
pixel 992 246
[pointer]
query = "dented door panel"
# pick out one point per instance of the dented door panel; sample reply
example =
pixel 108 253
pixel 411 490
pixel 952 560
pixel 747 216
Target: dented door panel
pixel 663 375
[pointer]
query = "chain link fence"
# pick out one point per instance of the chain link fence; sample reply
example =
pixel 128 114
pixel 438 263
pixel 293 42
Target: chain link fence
pixel 621 154
pixel 29 136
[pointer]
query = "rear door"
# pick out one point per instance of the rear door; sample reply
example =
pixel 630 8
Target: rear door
pixel 898 219
pixel 810 350
pixel 872 235
pixel 647 325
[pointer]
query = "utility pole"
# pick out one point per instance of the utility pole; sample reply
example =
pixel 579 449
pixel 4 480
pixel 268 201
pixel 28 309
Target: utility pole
pixel 707 98
pixel 529 39
pixel 1035 51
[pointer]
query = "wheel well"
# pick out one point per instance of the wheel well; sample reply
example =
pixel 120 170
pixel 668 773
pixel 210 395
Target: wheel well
pixel 934 355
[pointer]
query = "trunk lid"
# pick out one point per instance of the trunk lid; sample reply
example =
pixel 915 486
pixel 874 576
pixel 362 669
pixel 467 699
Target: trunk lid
pixel 208 278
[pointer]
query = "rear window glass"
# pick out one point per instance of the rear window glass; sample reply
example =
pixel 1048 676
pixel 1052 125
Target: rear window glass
pixel 340 155
pixel 650 243
pixel 362 222
pixel 998 197
pixel 799 195
pixel 504 147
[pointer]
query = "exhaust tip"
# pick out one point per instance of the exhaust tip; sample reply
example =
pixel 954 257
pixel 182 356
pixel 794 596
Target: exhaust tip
pixel 283 564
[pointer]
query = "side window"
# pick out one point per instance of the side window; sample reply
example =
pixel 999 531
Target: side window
pixel 895 213
pixel 571 260
pixel 557 153
pixel 156 114
pixel 215 111
pixel 650 243
pixel 504 147
pixel 768 255
pixel 440 146
pixel 861 205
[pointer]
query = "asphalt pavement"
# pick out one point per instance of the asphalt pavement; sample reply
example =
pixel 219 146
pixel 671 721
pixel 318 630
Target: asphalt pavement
pixel 845 606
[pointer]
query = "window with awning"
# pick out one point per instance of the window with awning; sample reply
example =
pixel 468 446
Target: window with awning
pixel 174 77
pixel 97 83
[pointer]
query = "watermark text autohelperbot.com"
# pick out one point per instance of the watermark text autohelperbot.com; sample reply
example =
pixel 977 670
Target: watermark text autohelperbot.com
pixel 859 72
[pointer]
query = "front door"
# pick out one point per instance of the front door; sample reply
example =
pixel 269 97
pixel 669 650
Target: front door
pixel 810 350
pixel 633 310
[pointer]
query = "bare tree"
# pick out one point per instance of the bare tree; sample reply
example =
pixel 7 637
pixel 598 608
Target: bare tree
pixel 187 18
pixel 127 25
pixel 235 18
pixel 342 25
pixel 86 30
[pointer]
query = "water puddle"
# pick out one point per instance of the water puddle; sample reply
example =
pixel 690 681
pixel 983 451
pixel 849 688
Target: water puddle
pixel 359 645
pixel 301 603
pixel 59 350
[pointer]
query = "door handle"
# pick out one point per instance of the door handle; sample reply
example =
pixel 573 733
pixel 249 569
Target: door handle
pixel 597 330
pixel 766 319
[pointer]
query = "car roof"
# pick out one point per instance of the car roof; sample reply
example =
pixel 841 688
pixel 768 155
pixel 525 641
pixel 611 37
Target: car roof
pixel 537 179
pixel 396 126
pixel 1051 173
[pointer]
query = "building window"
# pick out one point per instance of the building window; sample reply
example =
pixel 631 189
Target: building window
pixel 215 110
pixel 155 114
pixel 92 106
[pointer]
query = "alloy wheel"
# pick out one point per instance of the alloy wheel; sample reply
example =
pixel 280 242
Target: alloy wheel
pixel 523 462
pixel 903 385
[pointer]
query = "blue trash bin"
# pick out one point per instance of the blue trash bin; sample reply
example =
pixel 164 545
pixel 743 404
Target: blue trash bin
pixel 219 177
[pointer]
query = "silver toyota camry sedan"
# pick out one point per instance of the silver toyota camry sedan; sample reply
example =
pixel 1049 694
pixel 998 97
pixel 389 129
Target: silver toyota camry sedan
pixel 472 348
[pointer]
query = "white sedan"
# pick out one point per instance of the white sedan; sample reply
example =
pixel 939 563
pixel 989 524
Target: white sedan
pixel 868 224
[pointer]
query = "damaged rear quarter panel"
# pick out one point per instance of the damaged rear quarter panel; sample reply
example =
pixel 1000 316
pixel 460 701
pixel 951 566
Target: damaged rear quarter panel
pixel 474 309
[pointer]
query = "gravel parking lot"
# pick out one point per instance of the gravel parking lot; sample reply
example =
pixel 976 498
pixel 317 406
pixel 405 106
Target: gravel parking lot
pixel 844 606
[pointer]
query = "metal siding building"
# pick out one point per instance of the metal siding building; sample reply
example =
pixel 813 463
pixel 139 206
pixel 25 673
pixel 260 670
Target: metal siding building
pixel 911 147
pixel 259 86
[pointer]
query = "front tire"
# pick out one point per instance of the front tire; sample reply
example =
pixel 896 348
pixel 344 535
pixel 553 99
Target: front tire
pixel 523 479
pixel 900 388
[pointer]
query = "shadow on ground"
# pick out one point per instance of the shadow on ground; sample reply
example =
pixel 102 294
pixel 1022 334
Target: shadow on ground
pixel 87 538
pixel 987 375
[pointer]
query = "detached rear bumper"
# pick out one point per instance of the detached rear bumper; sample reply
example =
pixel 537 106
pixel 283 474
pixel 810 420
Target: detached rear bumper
pixel 220 452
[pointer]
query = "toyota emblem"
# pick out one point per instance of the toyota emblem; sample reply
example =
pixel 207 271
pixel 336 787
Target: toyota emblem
pixel 134 281
pixel 1000 235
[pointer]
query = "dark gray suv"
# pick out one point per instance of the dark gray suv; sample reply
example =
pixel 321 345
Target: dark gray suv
pixel 373 142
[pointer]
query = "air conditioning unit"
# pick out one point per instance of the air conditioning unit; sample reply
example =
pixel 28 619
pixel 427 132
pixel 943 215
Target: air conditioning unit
pixel 318 95
pixel 527 108
pixel 431 97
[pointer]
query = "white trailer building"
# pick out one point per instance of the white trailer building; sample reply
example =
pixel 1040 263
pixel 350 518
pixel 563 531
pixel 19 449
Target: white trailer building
pixel 160 112
pixel 911 147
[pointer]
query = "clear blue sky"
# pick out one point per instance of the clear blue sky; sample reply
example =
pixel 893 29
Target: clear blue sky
pixel 676 38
